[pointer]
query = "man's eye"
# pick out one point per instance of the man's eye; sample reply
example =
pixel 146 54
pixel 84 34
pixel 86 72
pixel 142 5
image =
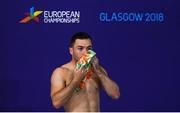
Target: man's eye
pixel 80 48
pixel 90 48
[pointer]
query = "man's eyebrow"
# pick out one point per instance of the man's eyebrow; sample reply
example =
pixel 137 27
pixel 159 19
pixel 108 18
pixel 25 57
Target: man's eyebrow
pixel 84 46
pixel 80 46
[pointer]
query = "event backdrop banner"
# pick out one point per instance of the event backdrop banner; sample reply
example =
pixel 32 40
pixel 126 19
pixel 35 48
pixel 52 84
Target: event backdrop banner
pixel 136 41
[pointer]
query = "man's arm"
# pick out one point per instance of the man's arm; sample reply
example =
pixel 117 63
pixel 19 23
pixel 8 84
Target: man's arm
pixel 109 85
pixel 61 93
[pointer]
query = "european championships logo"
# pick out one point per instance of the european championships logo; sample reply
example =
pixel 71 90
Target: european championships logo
pixel 68 16
pixel 31 16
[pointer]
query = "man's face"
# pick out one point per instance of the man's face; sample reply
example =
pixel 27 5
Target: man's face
pixel 80 47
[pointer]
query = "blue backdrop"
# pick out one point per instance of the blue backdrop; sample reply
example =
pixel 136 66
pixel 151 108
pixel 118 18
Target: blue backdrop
pixel 142 57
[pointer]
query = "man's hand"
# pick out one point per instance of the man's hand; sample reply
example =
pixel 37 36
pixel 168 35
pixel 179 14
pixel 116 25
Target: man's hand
pixel 79 74
pixel 95 63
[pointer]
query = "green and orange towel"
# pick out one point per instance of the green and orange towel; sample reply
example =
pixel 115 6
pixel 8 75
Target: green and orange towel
pixel 85 61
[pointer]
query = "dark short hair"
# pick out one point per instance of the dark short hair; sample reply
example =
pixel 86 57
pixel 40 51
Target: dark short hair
pixel 79 35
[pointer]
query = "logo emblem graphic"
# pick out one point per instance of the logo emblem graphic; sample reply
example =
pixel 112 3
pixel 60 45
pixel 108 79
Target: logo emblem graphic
pixel 31 16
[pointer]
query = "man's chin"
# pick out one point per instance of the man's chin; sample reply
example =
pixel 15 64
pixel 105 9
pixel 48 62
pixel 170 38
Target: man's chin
pixel 76 60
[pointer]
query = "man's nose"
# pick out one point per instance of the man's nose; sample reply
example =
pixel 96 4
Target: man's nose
pixel 85 51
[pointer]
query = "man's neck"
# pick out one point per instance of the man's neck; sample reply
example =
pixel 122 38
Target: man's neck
pixel 73 63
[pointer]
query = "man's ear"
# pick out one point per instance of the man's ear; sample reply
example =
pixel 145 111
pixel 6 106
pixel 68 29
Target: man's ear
pixel 71 50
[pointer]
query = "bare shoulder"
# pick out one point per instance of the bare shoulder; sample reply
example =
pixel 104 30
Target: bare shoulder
pixel 60 72
pixel 58 79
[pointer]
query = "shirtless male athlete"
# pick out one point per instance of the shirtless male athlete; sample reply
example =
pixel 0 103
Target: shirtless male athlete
pixel 66 78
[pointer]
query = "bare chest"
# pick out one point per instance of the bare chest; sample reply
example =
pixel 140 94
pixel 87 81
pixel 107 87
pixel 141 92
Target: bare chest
pixel 91 85
pixel 88 97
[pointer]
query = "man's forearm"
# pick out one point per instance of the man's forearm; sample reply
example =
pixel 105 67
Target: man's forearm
pixel 61 96
pixel 109 85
